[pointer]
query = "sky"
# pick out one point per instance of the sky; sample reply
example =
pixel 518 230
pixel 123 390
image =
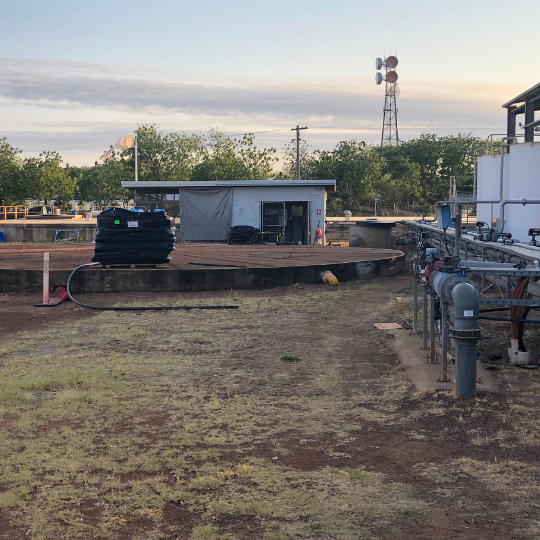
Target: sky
pixel 75 76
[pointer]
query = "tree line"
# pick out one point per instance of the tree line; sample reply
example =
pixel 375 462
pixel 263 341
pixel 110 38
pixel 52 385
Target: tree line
pixel 417 173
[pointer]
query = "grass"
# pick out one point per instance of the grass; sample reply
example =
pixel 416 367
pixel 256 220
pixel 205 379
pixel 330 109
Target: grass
pixel 165 425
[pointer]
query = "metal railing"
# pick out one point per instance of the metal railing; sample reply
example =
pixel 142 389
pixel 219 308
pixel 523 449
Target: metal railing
pixel 16 211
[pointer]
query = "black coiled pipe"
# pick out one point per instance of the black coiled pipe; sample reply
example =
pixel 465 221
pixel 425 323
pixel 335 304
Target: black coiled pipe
pixel 140 308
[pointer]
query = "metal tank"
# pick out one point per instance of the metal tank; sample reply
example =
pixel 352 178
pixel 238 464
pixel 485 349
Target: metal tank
pixel 371 234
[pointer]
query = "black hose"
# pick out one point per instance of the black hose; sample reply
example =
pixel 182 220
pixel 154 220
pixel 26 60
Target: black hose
pixel 142 308
pixel 521 344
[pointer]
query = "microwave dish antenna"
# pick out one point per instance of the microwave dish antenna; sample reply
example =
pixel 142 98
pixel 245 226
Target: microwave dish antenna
pixel 391 77
pixel 378 78
pixel 391 62
pixel 378 64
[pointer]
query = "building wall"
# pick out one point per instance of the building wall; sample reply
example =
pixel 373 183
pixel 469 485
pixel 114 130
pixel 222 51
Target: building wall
pixel 247 204
pixel 521 181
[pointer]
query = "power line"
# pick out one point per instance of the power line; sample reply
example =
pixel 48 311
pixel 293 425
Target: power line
pixel 254 132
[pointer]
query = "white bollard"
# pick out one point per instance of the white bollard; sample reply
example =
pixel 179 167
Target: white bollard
pixel 46 277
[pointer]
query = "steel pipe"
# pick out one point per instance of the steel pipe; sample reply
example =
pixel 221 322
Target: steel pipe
pixel 524 202
pixel 415 296
pixel 444 341
pixel 432 357
pixel 425 315
pixel 501 187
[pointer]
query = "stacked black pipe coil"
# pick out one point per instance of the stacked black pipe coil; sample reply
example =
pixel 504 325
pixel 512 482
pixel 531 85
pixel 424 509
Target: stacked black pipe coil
pixel 126 237
pixel 243 234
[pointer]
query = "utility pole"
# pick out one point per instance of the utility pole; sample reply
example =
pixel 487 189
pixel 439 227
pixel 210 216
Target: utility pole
pixel 297 129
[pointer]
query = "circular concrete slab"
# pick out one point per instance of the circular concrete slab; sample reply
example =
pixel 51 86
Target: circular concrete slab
pixel 195 267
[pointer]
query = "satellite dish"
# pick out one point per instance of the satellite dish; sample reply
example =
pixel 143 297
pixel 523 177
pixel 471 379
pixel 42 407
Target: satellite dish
pixel 391 62
pixel 391 77
pixel 378 64
pixel 378 78
pixel 125 142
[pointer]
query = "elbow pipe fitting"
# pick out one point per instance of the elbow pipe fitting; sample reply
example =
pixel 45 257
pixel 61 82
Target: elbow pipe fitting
pixel 466 304
pixel 443 284
pixel 462 294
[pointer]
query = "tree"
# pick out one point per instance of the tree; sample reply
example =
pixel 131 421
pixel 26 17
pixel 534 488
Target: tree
pixel 400 181
pixel 164 157
pixel 42 178
pixel 258 162
pixel 103 183
pixel 226 158
pixel 439 158
pixel 308 160
pixel 10 164
pixel 357 167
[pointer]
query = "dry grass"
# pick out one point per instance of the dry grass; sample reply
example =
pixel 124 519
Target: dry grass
pixel 116 419
pixel 165 425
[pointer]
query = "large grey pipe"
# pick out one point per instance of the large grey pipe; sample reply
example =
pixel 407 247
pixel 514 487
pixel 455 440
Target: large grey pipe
pixel 465 300
pixel 462 294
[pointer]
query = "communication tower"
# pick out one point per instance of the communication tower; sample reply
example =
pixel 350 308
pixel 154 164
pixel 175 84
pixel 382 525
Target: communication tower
pixel 390 129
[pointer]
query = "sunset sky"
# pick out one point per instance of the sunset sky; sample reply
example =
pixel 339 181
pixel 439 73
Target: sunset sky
pixel 75 76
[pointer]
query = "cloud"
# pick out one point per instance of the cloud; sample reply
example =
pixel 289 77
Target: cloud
pixel 81 108
pixel 124 89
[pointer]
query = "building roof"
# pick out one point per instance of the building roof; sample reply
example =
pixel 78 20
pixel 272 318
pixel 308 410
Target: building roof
pixel 174 186
pixel 531 92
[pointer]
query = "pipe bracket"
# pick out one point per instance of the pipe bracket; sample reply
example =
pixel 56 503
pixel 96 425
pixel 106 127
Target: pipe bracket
pixel 474 334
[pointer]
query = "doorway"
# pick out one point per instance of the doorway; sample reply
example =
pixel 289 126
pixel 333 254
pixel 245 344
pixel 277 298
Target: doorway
pixel 289 220
pixel 297 223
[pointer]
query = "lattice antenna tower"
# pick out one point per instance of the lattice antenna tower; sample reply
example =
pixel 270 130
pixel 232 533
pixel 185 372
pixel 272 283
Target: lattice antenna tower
pixel 390 128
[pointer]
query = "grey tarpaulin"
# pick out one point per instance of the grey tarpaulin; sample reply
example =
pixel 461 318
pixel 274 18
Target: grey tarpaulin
pixel 205 214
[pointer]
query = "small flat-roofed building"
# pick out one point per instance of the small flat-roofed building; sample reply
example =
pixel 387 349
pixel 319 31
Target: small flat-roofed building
pixel 293 209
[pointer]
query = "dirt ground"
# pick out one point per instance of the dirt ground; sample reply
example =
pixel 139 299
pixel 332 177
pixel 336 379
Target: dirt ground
pixel 288 418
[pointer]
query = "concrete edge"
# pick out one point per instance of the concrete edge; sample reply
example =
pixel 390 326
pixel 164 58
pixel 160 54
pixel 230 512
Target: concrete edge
pixel 425 376
pixel 96 279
